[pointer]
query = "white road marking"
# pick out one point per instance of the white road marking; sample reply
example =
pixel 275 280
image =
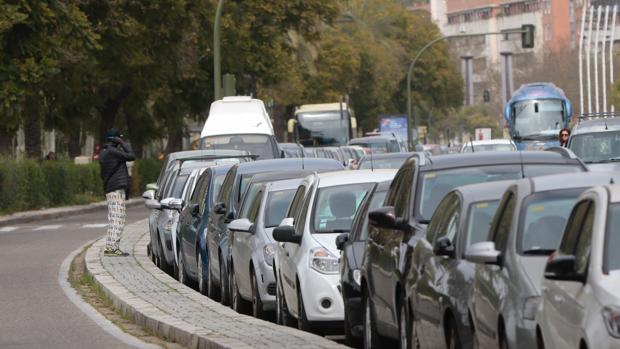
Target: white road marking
pixel 47 227
pixel 7 229
pixel 98 225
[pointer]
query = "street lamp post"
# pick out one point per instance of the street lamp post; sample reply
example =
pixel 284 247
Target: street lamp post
pixel 217 67
pixel 527 41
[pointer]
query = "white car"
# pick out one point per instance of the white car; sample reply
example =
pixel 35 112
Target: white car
pixel 306 261
pixel 580 305
pixel 489 145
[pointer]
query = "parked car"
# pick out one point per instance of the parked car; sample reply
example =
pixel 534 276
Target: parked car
pixel 597 143
pixel 227 207
pixel 352 246
pixel 193 223
pixel 377 144
pixel 306 263
pixel 580 299
pixel 292 150
pixel 419 185
pixel 161 189
pixel 252 246
pixel 438 285
pixel 526 229
pixel 489 145
pixel 388 160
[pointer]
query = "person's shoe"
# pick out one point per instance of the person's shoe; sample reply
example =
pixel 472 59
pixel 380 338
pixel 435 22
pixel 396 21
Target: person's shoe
pixel 109 252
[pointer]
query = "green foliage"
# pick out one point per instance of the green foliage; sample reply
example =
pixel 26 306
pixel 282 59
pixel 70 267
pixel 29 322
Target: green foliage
pixel 144 172
pixel 23 186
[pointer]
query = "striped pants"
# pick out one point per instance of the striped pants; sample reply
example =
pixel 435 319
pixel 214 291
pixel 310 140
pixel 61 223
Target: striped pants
pixel 116 218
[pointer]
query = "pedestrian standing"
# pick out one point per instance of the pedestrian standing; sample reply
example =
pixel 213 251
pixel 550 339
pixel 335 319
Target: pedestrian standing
pixel 564 137
pixel 113 159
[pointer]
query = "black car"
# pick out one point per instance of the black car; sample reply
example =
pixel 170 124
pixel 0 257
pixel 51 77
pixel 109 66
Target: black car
pixel 413 196
pixel 352 246
pixel 227 206
pixel 388 160
pixel 193 261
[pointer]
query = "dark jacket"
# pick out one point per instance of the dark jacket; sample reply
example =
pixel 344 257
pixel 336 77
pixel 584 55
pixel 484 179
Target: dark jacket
pixel 112 158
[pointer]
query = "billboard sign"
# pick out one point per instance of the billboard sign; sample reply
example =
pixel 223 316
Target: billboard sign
pixel 394 124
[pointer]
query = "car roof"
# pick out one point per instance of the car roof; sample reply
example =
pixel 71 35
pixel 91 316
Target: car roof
pixel 370 139
pixel 329 179
pixel 383 186
pixel 596 125
pixel 367 157
pixel 221 169
pixel 483 191
pixel 191 164
pixel 284 184
pixel 180 155
pixel 614 193
pixel 447 161
pixel 287 165
pixel 489 141
pixel 281 175
pixel 569 180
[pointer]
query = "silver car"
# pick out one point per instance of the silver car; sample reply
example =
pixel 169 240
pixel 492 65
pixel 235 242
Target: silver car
pixel 252 245
pixel 525 230
pixel 580 292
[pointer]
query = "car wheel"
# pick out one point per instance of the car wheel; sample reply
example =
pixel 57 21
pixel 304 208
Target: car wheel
pixel 283 317
pixel 452 335
pixel 350 340
pixel 224 289
pixel 212 291
pixel 503 341
pixel 202 280
pixel 257 303
pixel 302 321
pixel 237 303
pixel 163 264
pixel 540 343
pixel 371 337
pixel 181 270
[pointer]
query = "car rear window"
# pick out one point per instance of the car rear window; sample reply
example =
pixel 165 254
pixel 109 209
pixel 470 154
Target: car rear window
pixel 277 206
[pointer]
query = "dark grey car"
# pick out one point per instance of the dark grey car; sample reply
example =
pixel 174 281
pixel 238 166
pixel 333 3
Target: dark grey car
pixel 597 143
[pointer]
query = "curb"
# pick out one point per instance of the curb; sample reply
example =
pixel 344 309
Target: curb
pixel 177 329
pixel 58 212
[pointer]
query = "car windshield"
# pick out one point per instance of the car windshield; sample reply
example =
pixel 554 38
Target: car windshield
pixel 217 185
pixel 260 145
pixel 179 184
pixel 335 207
pixel 597 147
pixel 543 220
pixel 612 243
pixel 277 205
pixel 488 147
pixel 375 202
pixel 479 220
pixel 538 117
pixel 369 163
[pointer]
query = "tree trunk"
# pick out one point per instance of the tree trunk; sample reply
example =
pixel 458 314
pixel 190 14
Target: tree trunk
pixel 32 133
pixel 73 142
pixel 175 141
pixel 6 142
pixel 110 111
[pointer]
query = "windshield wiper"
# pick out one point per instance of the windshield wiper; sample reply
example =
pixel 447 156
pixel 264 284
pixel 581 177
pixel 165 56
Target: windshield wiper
pixel 538 252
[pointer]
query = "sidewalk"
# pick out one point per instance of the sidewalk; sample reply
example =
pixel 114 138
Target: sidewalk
pixel 57 212
pixel 161 304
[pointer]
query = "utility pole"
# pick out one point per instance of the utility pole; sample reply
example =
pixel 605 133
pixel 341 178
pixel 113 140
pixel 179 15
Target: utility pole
pixel 217 67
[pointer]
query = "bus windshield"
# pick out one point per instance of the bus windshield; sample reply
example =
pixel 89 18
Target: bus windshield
pixel 323 128
pixel 538 118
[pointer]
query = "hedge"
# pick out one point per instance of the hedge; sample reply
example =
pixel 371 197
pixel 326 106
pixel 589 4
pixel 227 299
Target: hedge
pixel 30 184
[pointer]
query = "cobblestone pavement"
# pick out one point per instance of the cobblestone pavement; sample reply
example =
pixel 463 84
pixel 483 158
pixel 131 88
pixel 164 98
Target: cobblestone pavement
pixel 163 305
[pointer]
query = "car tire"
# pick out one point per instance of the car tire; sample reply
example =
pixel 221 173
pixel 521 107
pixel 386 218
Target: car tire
pixel 283 317
pixel 257 303
pixel 181 275
pixel 224 288
pixel 163 264
pixel 302 320
pixel 503 341
pixel 238 304
pixel 453 341
pixel 203 282
pixel 371 338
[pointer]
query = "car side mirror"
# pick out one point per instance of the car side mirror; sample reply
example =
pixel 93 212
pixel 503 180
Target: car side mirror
pixel 175 204
pixel 152 186
pixel 384 217
pixel 286 233
pixel 220 208
pixel 242 225
pixel 149 194
pixel 152 204
pixel 562 268
pixel 443 247
pixel 195 210
pixel 287 221
pixel 341 240
pixel 483 252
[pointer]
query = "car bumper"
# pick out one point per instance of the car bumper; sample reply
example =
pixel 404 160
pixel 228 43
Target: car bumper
pixel 525 335
pixel 321 296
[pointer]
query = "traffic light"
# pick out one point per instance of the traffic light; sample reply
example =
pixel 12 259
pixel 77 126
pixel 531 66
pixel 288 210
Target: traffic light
pixel 486 96
pixel 527 36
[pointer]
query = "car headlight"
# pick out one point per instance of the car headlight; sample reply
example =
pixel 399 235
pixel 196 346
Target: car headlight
pixel 530 306
pixel 268 252
pixel 611 317
pixel 323 261
pixel 357 277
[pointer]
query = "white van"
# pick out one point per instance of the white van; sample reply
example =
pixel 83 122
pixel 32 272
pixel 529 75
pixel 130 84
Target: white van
pixel 240 123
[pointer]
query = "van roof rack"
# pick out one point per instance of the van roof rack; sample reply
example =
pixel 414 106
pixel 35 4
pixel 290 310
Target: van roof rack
pixel 600 115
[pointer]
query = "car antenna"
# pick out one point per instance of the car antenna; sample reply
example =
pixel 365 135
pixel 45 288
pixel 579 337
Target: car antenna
pixel 372 165
pixel 606 129
pixel 303 164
